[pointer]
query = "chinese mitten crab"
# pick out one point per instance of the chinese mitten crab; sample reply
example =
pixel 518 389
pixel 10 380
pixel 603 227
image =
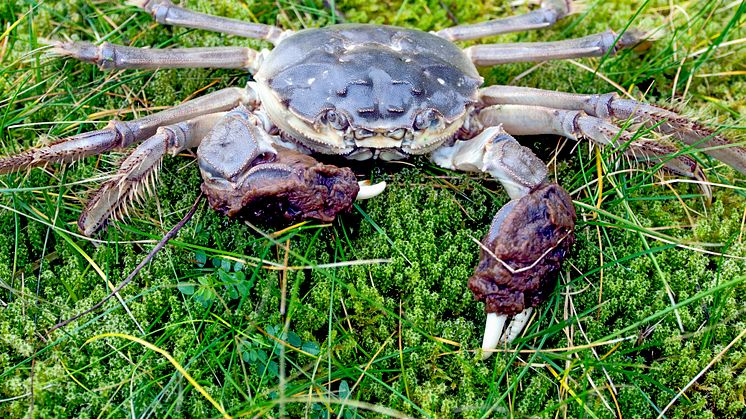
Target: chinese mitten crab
pixel 371 91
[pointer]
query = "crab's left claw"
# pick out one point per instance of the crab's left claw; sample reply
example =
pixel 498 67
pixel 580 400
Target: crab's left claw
pixel 529 236
pixel 520 260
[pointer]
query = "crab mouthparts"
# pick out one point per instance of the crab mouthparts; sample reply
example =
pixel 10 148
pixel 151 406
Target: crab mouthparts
pixel 378 141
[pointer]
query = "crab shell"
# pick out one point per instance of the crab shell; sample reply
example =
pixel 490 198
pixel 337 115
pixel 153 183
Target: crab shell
pixel 367 91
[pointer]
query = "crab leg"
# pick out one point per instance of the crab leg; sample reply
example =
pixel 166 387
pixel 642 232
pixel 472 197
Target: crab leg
pixel 111 56
pixel 596 45
pixel 137 173
pixel 529 236
pixel 551 12
pixel 610 106
pixel 537 120
pixel 166 13
pixel 120 134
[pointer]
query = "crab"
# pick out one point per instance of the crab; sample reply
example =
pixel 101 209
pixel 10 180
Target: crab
pixel 365 91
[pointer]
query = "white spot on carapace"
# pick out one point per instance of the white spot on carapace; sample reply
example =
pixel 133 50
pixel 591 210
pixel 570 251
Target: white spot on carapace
pixel 311 80
pixel 441 81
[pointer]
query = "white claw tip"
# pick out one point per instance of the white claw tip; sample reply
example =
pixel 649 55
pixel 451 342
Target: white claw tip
pixel 493 330
pixel 516 326
pixel 368 191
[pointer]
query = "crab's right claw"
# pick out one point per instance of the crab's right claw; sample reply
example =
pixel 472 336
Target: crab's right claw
pixel 246 174
pixel 288 186
pixel 520 260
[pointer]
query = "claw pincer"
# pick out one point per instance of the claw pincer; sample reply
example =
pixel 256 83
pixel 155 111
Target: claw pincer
pixel 522 253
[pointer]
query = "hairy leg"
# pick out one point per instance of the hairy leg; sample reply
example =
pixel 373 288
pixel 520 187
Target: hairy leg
pixel 611 106
pixel 120 134
pixel 138 172
pixel 538 120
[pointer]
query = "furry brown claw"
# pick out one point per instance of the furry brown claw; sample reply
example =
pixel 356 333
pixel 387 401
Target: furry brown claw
pixel 523 251
pixel 292 186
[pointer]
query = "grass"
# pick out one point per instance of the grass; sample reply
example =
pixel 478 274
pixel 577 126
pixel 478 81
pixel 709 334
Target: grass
pixel 647 320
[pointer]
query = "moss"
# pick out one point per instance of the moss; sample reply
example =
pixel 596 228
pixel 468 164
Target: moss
pixel 395 334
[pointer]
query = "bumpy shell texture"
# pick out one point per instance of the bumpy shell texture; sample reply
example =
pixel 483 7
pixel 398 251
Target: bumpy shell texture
pixel 379 76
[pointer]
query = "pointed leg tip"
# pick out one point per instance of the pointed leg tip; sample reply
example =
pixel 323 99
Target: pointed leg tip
pixel 633 38
pixel 103 206
pixel 704 185
pixel 564 7
pixel 87 228
pixel 58 48
pixel 80 50
pixel 576 6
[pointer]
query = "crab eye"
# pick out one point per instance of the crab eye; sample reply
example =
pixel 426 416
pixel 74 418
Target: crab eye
pixel 335 119
pixel 428 119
